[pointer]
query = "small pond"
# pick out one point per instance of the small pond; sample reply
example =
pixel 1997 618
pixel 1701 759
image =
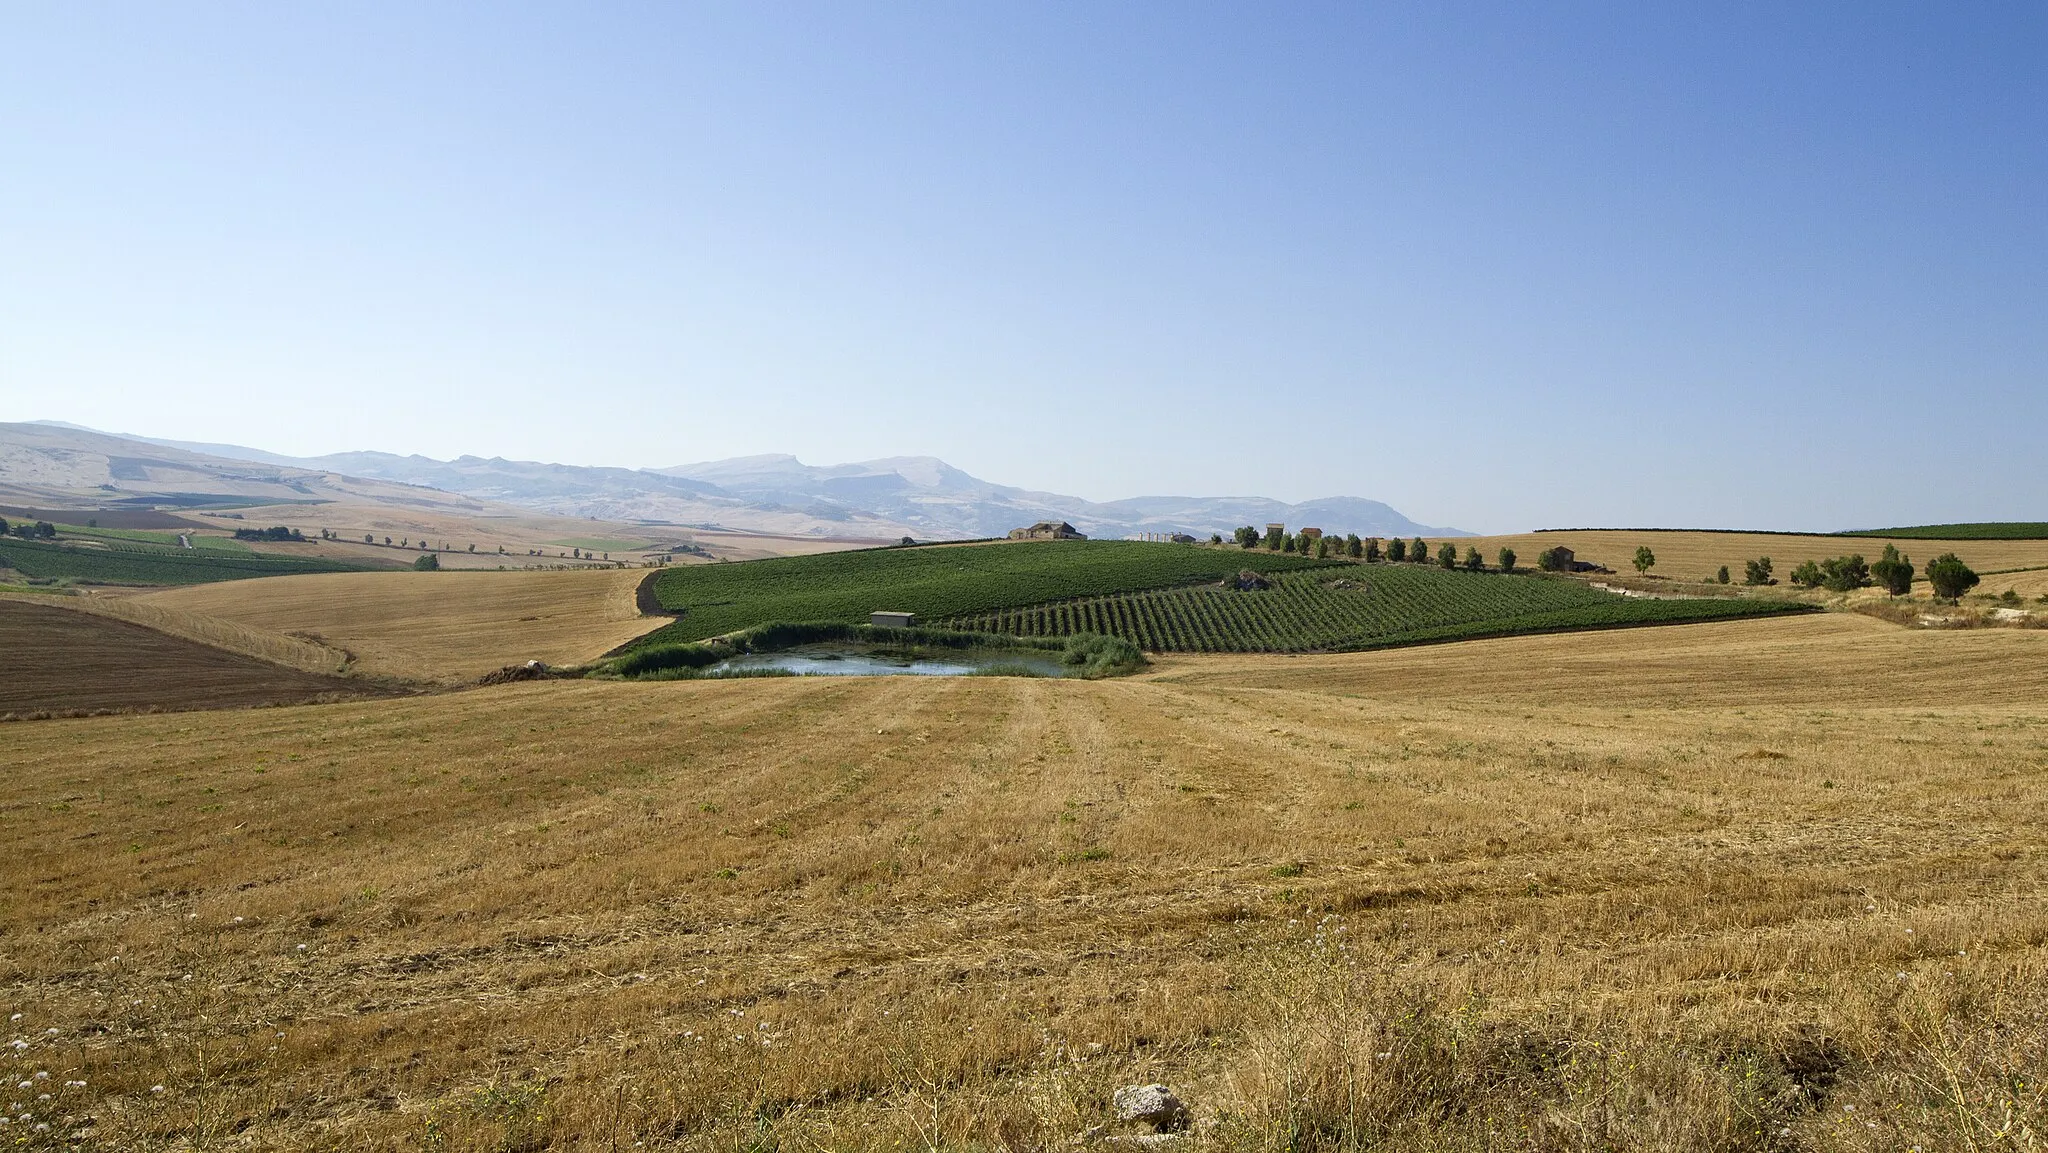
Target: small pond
pixel 857 661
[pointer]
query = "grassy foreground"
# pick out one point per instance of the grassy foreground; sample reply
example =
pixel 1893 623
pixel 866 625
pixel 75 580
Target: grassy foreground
pixel 1784 892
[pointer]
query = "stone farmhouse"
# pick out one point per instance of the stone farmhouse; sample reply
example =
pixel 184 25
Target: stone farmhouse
pixel 1047 530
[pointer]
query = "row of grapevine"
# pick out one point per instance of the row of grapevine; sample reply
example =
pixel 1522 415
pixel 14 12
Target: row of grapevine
pixel 939 582
pixel 1309 612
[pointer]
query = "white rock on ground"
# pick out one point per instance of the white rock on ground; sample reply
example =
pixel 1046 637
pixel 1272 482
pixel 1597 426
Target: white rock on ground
pixel 1154 1105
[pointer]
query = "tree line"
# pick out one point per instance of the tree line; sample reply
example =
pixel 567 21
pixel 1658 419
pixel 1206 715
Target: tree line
pixel 1371 550
pixel 40 530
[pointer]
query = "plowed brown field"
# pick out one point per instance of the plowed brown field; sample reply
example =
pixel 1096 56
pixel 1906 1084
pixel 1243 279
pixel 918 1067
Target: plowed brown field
pixel 53 659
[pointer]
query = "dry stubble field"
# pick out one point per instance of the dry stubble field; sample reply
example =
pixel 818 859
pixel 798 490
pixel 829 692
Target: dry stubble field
pixel 440 626
pixel 1692 555
pixel 1767 885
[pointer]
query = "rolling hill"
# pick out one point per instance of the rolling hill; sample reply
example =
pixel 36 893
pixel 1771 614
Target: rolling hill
pixel 918 496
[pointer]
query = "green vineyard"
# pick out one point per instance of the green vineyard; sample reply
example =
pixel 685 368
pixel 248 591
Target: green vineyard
pixel 934 582
pixel 1369 607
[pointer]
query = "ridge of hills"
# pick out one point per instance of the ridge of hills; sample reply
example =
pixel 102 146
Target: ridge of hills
pixel 918 496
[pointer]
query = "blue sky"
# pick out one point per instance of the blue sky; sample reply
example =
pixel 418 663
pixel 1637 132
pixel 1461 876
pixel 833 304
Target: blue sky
pixel 1503 266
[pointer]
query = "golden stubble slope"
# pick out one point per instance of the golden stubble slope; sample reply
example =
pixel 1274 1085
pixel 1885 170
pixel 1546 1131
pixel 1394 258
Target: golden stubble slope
pixel 1488 884
pixel 445 626
pixel 1821 660
pixel 1692 555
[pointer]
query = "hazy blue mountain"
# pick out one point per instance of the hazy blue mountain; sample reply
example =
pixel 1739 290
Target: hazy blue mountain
pixel 920 496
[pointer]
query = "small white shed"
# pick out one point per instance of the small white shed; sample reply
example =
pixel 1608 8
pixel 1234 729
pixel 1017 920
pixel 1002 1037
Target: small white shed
pixel 888 620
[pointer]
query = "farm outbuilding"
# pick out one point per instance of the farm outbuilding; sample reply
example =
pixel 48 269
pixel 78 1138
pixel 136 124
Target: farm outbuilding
pixel 1047 530
pixel 892 620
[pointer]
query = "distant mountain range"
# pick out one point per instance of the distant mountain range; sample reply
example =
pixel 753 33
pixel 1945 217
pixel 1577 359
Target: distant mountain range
pixel 918 496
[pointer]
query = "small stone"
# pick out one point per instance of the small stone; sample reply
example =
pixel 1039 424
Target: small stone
pixel 1154 1105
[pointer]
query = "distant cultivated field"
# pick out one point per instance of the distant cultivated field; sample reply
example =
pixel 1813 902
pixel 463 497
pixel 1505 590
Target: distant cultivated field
pixel 1980 530
pixel 133 562
pixel 59 660
pixel 443 626
pixel 1766 886
pixel 1692 555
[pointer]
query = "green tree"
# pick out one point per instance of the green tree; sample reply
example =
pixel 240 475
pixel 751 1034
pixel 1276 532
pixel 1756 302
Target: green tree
pixel 1397 550
pixel 1894 571
pixel 1322 548
pixel 1418 551
pixel 1353 547
pixel 1473 561
pixel 1950 577
pixel 1758 572
pixel 1506 559
pixel 3 526
pixel 1373 555
pixel 1550 560
pixel 1287 544
pixel 1645 559
pixel 1246 537
pixel 1722 576
pixel 1274 537
pixel 427 563
pixel 1808 575
pixel 46 530
pixel 1447 556
pixel 1845 573
pixel 368 539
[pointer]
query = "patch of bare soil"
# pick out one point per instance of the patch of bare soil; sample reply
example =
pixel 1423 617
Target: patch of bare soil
pixel 57 662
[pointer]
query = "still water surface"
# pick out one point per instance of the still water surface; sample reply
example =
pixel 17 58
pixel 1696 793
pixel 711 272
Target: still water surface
pixel 845 661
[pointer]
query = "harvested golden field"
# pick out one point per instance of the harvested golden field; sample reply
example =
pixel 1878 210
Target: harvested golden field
pixel 2029 585
pixel 1761 893
pixel 1817 661
pixel 446 626
pixel 1692 555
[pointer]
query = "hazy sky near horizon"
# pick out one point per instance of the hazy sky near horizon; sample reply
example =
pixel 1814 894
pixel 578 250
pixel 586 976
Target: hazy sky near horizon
pixel 1501 265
